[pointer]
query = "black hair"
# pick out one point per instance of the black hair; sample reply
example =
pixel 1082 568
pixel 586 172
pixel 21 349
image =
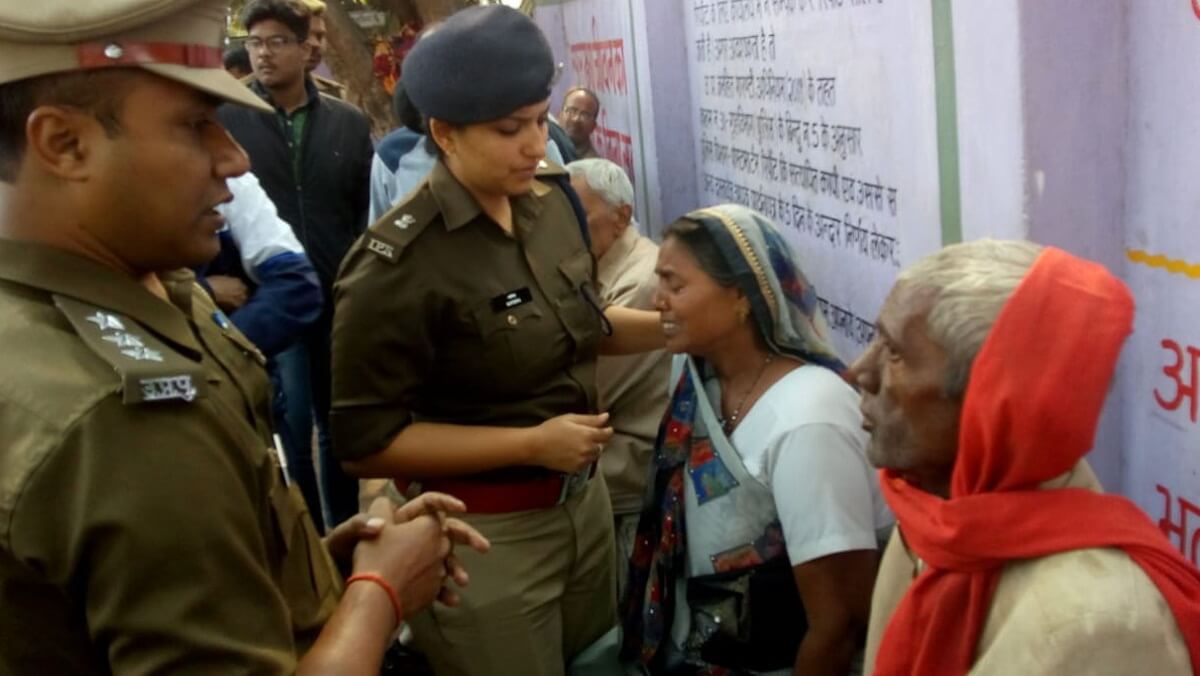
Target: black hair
pixel 290 13
pixel 237 58
pixel 99 92
pixel 405 111
pixel 697 239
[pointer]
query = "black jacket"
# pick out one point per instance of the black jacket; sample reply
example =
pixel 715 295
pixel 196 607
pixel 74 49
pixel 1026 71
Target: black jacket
pixel 328 208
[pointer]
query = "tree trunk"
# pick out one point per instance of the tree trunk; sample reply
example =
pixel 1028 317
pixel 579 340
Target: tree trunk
pixel 350 59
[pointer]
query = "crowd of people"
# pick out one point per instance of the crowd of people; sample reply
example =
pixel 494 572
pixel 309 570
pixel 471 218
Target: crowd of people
pixel 226 307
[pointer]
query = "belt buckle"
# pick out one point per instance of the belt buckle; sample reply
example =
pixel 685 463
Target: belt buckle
pixel 573 483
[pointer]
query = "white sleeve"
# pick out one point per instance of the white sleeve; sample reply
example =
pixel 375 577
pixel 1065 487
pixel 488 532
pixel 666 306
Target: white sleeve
pixel 822 488
pixel 381 189
pixel 255 225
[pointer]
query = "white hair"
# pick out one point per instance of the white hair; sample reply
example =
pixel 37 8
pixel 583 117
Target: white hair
pixel 606 179
pixel 971 281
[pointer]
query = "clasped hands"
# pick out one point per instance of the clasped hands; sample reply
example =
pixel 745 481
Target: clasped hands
pixel 410 546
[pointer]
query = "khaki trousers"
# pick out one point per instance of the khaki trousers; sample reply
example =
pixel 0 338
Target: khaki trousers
pixel 541 595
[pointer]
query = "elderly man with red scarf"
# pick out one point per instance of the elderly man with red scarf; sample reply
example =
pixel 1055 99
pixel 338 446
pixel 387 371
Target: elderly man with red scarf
pixel 982 391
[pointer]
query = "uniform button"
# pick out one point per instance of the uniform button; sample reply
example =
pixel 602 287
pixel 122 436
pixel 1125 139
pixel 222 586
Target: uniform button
pixel 512 320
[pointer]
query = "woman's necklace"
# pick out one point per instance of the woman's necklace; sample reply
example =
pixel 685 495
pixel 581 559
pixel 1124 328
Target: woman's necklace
pixel 727 424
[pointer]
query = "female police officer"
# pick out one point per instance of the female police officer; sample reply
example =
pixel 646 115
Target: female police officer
pixel 465 339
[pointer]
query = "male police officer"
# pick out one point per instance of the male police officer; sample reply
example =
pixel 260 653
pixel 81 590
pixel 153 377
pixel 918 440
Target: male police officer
pixel 144 524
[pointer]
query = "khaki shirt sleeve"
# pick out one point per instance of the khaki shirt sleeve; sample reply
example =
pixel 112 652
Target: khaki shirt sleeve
pixel 382 352
pixel 155 520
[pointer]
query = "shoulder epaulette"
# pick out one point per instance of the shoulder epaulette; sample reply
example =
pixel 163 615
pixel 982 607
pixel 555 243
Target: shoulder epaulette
pixel 397 228
pixel 150 370
pixel 548 168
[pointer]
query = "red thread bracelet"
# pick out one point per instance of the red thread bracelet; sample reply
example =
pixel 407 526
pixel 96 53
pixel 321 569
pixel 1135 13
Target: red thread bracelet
pixel 383 584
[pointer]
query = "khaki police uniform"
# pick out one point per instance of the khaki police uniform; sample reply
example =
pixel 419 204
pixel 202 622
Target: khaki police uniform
pixel 144 525
pixel 441 316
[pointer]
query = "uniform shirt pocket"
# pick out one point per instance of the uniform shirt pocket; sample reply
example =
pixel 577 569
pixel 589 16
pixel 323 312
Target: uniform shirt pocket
pixel 306 575
pixel 510 339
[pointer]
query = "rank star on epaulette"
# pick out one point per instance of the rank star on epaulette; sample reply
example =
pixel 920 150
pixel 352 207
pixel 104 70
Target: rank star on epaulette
pixel 143 354
pixel 405 221
pixel 106 321
pixel 124 340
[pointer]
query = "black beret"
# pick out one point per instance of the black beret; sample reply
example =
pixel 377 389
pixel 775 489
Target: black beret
pixel 480 64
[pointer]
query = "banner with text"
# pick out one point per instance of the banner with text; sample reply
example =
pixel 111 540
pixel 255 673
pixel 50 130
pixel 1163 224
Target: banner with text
pixel 821 114
pixel 599 56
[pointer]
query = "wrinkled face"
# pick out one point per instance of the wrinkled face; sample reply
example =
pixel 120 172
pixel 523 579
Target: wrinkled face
pixel 276 56
pixel 605 222
pixel 153 188
pixel 316 41
pixel 578 117
pixel 499 157
pixel 698 315
pixel 912 422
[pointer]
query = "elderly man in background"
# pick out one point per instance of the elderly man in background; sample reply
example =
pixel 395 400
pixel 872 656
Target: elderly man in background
pixel 581 109
pixel 633 389
pixel 982 391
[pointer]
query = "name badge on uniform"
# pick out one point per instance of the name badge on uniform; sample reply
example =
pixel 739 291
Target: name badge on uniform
pixel 512 299
pixel 170 387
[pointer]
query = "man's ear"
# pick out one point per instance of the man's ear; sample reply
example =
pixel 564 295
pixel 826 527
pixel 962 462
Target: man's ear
pixel 62 141
pixel 624 217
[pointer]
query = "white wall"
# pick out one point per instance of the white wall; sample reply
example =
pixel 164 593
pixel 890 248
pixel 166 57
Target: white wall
pixel 987 49
pixel 1162 442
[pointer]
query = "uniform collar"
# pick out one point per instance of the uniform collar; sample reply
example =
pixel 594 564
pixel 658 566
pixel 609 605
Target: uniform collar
pixel 458 206
pixel 66 274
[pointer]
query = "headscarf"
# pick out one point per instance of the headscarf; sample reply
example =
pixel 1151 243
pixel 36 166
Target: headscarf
pixel 1029 415
pixel 786 312
pixel 784 304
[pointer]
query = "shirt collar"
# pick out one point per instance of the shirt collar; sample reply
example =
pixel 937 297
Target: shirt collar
pixel 458 206
pixel 314 96
pixel 67 274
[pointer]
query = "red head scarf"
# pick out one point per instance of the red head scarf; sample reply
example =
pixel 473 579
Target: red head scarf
pixel 1030 414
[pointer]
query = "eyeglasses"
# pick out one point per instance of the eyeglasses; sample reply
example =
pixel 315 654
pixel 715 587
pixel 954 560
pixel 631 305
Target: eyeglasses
pixel 271 44
pixel 572 111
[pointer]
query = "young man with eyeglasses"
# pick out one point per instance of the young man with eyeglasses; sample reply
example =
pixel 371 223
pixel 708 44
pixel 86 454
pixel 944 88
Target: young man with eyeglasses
pixel 581 108
pixel 312 155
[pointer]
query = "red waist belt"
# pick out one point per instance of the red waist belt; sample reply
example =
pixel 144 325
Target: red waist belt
pixel 485 497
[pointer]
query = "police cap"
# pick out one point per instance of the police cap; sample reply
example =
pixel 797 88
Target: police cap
pixel 480 64
pixel 176 39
